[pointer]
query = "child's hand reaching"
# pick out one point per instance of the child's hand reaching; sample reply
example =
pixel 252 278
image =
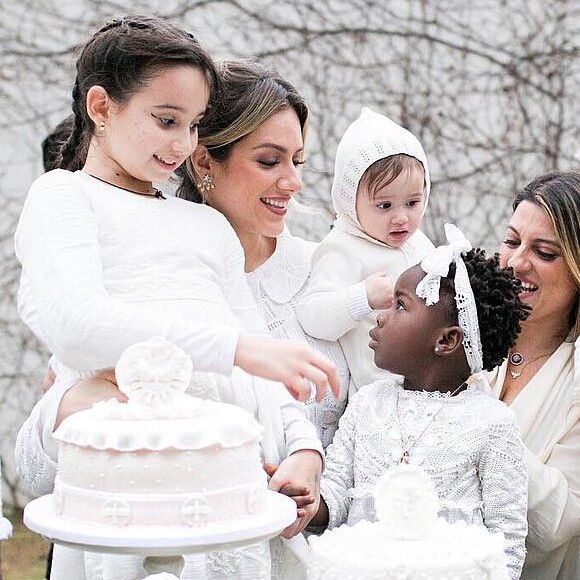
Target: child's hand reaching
pixel 379 289
pixel 294 364
pixel 298 477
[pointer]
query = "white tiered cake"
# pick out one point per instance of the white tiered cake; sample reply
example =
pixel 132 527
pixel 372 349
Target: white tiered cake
pixel 163 458
pixel 409 542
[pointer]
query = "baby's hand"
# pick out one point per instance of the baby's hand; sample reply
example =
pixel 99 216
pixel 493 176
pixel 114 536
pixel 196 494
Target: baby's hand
pixel 379 289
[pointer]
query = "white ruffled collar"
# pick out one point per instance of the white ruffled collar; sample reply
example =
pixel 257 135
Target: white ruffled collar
pixel 285 273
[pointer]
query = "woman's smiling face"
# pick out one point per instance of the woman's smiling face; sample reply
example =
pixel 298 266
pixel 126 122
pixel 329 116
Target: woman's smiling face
pixel 530 247
pixel 254 185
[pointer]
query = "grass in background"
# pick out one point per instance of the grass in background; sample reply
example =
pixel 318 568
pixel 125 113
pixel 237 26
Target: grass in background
pixel 24 554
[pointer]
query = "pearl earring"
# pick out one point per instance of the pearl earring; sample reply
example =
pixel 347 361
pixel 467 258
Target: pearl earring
pixel 101 127
pixel 436 349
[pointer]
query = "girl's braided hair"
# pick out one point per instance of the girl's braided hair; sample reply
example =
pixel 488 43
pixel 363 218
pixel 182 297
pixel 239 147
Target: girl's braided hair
pixel 122 57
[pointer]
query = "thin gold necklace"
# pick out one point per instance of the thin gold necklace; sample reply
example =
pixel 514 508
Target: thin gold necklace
pixel 404 458
pixel 155 193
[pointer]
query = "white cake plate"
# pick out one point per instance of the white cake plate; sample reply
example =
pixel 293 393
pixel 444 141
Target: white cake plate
pixel 40 517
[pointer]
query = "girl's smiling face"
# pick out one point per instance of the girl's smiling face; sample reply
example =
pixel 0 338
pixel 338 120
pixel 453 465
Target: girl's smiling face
pixel 149 136
pixel 530 247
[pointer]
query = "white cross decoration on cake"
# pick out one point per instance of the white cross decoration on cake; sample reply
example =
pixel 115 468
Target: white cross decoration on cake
pixel 195 510
pixel 117 512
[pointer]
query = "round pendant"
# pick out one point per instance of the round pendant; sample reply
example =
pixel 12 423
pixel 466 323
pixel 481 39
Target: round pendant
pixel 516 359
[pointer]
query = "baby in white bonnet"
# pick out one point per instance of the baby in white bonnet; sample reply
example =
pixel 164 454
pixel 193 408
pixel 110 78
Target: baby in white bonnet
pixel 380 192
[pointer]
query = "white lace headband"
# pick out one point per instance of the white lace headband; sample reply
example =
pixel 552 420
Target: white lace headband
pixel 436 265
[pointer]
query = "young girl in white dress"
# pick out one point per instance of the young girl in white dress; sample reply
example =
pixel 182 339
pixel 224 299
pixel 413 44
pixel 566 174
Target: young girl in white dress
pixel 453 315
pixel 108 261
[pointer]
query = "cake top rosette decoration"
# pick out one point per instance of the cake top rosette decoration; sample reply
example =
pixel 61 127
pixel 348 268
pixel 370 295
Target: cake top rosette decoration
pixel 406 502
pixel 160 413
pixel 154 373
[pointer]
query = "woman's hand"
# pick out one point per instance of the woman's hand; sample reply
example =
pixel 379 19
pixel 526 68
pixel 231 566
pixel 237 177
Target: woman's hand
pixel 294 364
pixel 298 477
pixel 85 393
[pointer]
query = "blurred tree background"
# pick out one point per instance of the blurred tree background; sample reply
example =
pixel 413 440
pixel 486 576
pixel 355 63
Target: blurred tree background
pixel 489 86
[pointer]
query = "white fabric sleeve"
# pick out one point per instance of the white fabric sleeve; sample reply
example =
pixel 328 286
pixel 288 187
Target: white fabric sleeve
pixel 323 311
pixel 504 491
pixel 56 242
pixel 237 290
pixel 358 302
pixel 300 433
pixel 36 449
pixel 554 494
pixel 338 477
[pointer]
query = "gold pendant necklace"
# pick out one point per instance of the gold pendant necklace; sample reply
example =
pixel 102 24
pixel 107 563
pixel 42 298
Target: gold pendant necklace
pixel 404 458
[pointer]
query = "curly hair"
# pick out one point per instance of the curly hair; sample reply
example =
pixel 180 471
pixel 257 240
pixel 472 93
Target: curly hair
pixel 499 309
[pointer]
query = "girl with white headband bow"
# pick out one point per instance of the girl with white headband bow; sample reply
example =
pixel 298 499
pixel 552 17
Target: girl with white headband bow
pixel 453 315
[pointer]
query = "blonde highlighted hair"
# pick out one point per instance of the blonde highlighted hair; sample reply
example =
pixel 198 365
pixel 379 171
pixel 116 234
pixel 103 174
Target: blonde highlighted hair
pixel 251 92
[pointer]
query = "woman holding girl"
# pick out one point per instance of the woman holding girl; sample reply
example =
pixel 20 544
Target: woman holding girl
pixel 540 380
pixel 108 261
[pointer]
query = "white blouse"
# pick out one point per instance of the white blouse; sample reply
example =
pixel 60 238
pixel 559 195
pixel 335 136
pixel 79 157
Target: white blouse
pixel 548 414
pixel 469 444
pixel 277 286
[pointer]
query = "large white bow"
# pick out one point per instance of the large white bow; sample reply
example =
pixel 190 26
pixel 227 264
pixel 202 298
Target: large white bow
pixel 436 265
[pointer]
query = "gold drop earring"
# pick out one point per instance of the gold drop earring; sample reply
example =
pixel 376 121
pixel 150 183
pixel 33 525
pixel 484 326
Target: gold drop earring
pixel 206 183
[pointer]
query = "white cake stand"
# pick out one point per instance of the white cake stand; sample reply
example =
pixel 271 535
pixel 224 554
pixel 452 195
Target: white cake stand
pixel 161 547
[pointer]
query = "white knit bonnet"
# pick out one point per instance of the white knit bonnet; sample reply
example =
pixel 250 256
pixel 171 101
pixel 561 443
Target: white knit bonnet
pixel 370 138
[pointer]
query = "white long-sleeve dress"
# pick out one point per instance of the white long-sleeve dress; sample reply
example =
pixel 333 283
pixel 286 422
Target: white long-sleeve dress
pixel 469 444
pixel 102 269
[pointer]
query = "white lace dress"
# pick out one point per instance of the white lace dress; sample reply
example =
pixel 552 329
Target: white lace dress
pixel 469 444
pixel 277 286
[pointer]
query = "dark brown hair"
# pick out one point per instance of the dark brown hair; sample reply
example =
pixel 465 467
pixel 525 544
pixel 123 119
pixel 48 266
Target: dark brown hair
pixel 122 57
